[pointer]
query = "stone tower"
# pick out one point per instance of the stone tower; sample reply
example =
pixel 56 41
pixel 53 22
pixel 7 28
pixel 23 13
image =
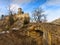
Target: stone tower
pixel 22 17
pixel 20 11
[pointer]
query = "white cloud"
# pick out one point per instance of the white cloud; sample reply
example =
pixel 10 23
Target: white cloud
pixel 14 7
pixel 53 2
pixel 52 13
pixel 15 4
pixel 22 1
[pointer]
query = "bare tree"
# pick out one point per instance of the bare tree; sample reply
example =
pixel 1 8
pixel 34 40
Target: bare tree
pixel 38 15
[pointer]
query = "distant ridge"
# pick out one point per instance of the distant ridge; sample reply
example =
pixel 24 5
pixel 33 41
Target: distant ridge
pixel 57 21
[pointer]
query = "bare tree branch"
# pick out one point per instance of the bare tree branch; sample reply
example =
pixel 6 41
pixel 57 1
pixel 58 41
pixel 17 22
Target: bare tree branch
pixel 38 15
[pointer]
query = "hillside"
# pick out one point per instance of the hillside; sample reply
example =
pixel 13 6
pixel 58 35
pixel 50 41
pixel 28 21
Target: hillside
pixel 29 34
pixel 16 38
pixel 18 30
pixel 57 21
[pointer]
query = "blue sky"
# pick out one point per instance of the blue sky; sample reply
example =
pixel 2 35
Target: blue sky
pixel 51 7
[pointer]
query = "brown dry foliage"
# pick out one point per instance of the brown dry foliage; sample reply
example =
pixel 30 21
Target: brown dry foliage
pixel 16 38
